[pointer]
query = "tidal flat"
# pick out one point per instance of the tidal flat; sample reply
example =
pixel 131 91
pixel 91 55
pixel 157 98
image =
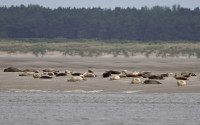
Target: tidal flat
pixel 12 81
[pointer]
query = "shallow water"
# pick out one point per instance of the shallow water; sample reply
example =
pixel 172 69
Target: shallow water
pixel 67 108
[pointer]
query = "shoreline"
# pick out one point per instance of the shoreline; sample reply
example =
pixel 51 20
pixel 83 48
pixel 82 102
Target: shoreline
pixel 92 92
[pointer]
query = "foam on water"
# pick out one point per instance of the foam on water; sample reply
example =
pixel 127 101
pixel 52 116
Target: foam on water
pixel 83 91
pixel 134 91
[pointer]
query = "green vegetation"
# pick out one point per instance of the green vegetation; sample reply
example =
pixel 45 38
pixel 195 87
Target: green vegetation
pixel 145 24
pixel 99 47
pixel 161 31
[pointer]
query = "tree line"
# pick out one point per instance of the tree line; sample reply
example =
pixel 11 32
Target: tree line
pixel 144 24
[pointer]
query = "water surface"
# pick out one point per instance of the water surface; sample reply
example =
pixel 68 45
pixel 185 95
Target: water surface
pixel 64 108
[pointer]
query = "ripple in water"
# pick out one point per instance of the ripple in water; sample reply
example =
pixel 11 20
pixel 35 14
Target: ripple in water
pixel 63 108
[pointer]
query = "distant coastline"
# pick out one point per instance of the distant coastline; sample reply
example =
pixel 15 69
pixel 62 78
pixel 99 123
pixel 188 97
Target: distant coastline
pixel 97 48
pixel 57 54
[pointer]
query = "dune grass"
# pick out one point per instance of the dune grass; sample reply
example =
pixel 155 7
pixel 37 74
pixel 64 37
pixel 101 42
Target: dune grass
pixel 85 47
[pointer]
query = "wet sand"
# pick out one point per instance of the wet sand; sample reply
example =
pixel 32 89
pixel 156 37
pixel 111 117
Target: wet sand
pixel 13 82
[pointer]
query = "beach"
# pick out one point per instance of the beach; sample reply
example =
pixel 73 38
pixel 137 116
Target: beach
pixel 11 81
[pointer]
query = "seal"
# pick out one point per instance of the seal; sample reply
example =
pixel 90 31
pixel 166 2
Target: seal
pixel 12 69
pixel 44 76
pixel 50 70
pixel 115 77
pixel 181 83
pixel 151 82
pixel 136 81
pixel 61 74
pixel 75 79
pixel 77 74
pixel 90 71
pixel 122 75
pixel 106 74
pixel 188 74
pixel 155 76
pixel 132 74
pixel 146 74
pixel 68 72
pixel 114 72
pixel 30 70
pixel 51 73
pixel 27 74
pixel 164 74
pixel 88 74
pixel 35 75
pixel 180 77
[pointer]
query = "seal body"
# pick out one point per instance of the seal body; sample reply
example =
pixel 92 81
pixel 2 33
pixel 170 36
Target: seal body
pixel 136 81
pixel 12 69
pixel 75 79
pixel 35 75
pixel 181 83
pixel 61 74
pixel 106 74
pixel 151 82
pixel 180 77
pixel 50 70
pixel 27 74
pixel 44 76
pixel 115 77
pixel 31 70
pixel 77 74
pixel 114 72
pixel 88 74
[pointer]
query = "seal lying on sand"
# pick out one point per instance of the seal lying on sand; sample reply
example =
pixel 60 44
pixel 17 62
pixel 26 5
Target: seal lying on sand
pixel 35 75
pixel 68 72
pixel 27 74
pixel 146 74
pixel 132 74
pixel 181 83
pixel 12 69
pixel 61 74
pixel 136 81
pixel 50 70
pixel 106 74
pixel 113 72
pixel 77 74
pixel 122 74
pixel 88 74
pixel 115 77
pixel 151 82
pixel 155 76
pixel 109 73
pixel 43 76
pixel 75 79
pixel 188 74
pixel 180 77
pixel 164 74
pixel 30 70
pixel 51 73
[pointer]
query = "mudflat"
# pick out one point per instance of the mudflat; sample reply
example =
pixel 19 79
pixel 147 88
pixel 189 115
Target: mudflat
pixel 11 81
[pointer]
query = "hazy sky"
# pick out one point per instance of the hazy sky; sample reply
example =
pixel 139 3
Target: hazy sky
pixel 103 3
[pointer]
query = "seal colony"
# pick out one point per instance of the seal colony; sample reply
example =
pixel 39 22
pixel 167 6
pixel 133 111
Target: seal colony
pixel 149 77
